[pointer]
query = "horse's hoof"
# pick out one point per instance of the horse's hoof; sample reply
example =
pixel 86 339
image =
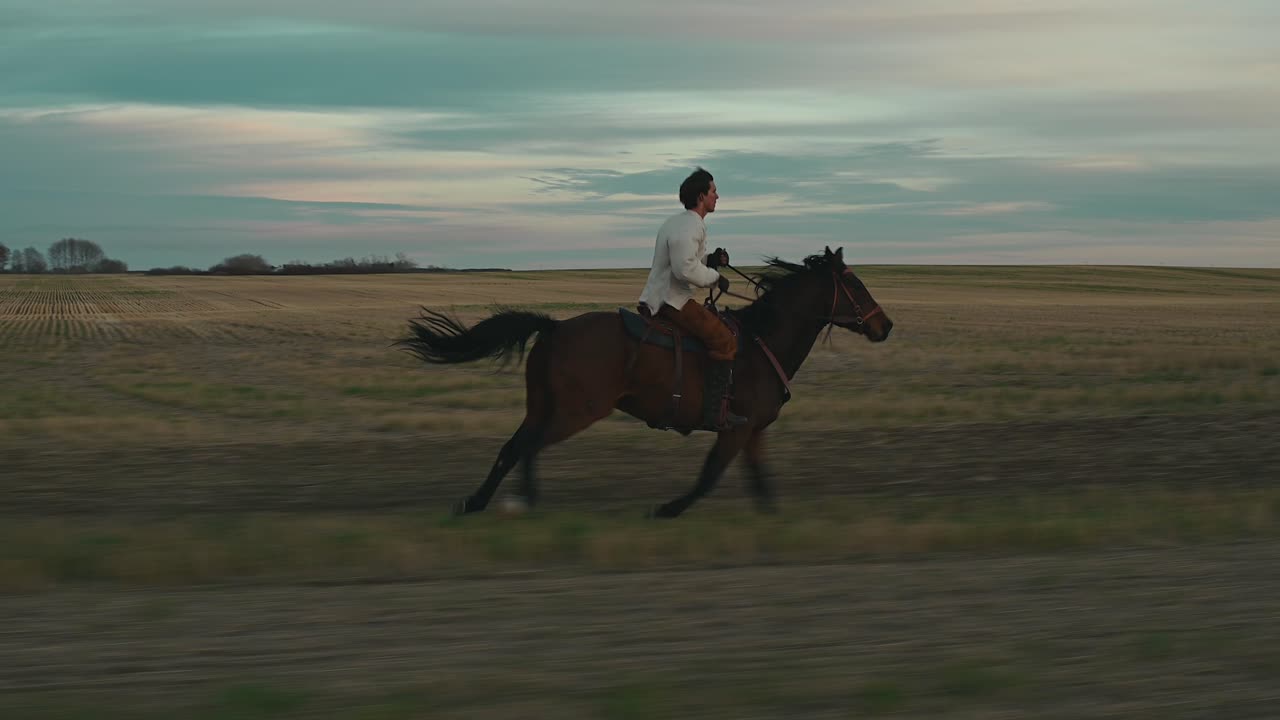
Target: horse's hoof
pixel 658 512
pixel 460 507
pixel 514 505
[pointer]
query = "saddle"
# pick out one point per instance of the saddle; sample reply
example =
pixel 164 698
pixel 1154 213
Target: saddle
pixel 646 327
pixel 650 329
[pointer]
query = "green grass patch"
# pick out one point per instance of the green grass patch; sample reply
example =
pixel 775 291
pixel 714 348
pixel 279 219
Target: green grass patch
pixel 402 392
pixel 26 401
pixel 236 400
pixel 636 701
pixel 878 697
pixel 1154 646
pixel 969 679
pixel 254 700
pixel 37 553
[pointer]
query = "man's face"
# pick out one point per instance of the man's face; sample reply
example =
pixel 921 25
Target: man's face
pixel 709 199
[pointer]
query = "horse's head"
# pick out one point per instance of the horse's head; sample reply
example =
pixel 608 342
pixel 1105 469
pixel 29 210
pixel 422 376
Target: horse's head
pixel 823 280
pixel 851 304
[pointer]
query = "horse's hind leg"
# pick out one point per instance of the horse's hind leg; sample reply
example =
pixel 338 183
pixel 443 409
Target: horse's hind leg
pixel 528 496
pixel 561 401
pixel 539 415
pixel 511 453
pixel 558 427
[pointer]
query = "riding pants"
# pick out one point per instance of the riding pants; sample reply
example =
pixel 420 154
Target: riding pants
pixel 701 323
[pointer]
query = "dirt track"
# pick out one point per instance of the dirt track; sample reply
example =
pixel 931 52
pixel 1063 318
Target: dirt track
pixel 1160 633
pixel 1138 633
pixel 629 469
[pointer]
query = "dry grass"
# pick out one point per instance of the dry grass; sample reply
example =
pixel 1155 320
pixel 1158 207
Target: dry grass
pixel 96 358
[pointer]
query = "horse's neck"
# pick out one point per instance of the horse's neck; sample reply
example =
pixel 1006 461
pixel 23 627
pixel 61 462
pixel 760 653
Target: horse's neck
pixel 793 337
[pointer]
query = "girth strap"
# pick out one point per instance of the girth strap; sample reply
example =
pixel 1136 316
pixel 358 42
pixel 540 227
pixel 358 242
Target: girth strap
pixel 679 383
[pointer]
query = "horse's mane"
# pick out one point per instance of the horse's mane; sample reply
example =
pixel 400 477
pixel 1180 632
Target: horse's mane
pixel 779 277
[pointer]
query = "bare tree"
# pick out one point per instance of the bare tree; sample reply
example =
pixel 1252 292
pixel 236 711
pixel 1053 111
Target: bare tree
pixel 404 263
pixel 75 255
pixel 4 256
pixel 29 261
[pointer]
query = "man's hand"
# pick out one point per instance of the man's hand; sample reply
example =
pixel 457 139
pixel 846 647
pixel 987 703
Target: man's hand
pixel 719 258
pixel 723 284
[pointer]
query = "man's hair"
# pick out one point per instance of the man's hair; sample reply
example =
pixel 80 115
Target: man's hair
pixel 694 186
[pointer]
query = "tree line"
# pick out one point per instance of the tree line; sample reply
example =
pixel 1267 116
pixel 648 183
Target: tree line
pixel 250 264
pixel 74 255
pixel 68 255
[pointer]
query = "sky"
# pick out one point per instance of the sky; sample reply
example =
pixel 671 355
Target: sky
pixel 535 134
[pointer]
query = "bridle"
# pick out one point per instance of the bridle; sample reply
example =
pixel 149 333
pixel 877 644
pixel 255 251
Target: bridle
pixel 844 321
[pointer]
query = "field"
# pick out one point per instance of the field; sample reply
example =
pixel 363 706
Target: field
pixel 1051 492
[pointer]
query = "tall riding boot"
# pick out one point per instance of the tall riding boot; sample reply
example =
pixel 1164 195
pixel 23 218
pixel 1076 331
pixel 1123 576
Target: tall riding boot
pixel 715 399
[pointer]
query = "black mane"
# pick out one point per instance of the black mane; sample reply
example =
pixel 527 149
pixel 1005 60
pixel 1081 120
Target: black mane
pixel 778 279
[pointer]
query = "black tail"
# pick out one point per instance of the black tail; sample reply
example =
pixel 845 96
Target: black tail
pixel 437 338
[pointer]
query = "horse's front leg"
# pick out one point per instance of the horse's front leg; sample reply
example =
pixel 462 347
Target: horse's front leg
pixel 761 485
pixel 728 444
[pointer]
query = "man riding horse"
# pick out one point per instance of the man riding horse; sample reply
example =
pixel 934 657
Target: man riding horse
pixel 584 367
pixel 680 264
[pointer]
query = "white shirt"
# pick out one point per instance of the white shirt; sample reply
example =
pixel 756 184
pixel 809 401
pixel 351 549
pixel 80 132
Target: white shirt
pixel 679 262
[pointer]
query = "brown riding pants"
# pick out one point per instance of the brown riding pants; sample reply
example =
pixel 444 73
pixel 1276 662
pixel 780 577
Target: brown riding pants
pixel 696 320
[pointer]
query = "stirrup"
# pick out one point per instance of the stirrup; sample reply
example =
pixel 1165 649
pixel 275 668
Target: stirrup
pixel 716 413
pixel 728 419
pixel 724 420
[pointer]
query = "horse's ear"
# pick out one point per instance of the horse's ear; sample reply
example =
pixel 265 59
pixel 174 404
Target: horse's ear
pixel 840 253
pixel 827 248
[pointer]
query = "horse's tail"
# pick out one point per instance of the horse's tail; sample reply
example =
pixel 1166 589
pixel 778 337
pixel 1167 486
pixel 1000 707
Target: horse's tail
pixel 436 338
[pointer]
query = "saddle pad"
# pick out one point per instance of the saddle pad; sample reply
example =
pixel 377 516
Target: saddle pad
pixel 635 326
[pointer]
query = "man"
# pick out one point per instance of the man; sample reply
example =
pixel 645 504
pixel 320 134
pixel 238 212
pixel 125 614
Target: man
pixel 680 264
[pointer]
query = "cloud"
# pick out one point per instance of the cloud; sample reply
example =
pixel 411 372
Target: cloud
pixel 863 176
pixel 327 183
pixel 993 208
pixel 357 68
pixel 1252 244
pixel 559 131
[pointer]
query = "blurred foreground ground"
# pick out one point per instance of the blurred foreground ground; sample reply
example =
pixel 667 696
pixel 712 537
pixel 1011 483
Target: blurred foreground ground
pixel 1152 633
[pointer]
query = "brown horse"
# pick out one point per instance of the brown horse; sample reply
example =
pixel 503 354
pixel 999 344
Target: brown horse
pixel 583 368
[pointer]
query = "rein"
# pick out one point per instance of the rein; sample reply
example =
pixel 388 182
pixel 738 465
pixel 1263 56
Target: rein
pixel 716 293
pixel 857 319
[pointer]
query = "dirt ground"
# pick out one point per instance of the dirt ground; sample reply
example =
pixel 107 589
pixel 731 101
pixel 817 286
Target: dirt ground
pixel 630 469
pixel 1126 633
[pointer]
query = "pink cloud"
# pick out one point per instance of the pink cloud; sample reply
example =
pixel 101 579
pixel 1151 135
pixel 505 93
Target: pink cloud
pixel 994 208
